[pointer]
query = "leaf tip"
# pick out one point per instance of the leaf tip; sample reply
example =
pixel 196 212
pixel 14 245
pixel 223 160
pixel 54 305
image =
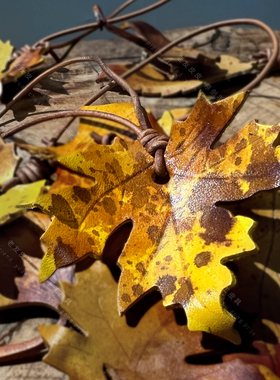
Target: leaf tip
pixel 47 268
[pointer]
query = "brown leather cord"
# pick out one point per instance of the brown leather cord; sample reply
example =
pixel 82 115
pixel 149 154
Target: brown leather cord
pixel 112 20
pixel 103 140
pixel 155 145
pixel 268 67
pixel 139 110
pixel 157 153
pixel 34 170
pixel 140 65
pixel 201 30
pixel 81 113
pixel 151 140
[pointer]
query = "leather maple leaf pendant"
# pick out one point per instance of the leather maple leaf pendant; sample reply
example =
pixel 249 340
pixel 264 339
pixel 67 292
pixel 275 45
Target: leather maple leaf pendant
pixel 180 237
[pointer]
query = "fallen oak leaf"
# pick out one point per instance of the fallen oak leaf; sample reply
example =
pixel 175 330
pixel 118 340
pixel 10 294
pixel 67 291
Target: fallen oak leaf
pixel 150 82
pixel 13 200
pixel 10 160
pixel 154 349
pixel 109 340
pixel 19 256
pixel 268 357
pixel 17 241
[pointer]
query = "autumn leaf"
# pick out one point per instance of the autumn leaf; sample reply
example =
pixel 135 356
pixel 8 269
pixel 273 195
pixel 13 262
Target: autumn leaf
pixel 154 349
pixel 13 200
pixel 11 161
pixel 167 118
pixel 6 50
pixel 180 237
pixel 27 59
pixel 26 266
pixel 268 357
pixel 150 82
pixel 21 254
pixel 156 40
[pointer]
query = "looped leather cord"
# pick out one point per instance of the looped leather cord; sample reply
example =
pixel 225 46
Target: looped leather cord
pixel 33 171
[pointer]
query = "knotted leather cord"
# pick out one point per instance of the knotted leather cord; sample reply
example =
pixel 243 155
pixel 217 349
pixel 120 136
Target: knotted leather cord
pixel 34 170
pixel 151 140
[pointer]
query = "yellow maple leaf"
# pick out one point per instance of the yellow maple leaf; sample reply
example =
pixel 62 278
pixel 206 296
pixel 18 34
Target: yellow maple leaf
pixel 6 50
pixel 180 237
pixel 13 200
pixel 9 159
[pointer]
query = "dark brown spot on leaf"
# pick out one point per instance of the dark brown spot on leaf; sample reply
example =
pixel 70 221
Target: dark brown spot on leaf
pixel 137 290
pixel 140 267
pixel 126 298
pixel 96 233
pixel 184 294
pixel 154 233
pixel 110 168
pixel 240 145
pixel 166 285
pixel 202 259
pixel 63 253
pixel 168 258
pixel 182 132
pixel 91 241
pixel 238 161
pixel 82 194
pixel 62 210
pixel 218 223
pixel 109 205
